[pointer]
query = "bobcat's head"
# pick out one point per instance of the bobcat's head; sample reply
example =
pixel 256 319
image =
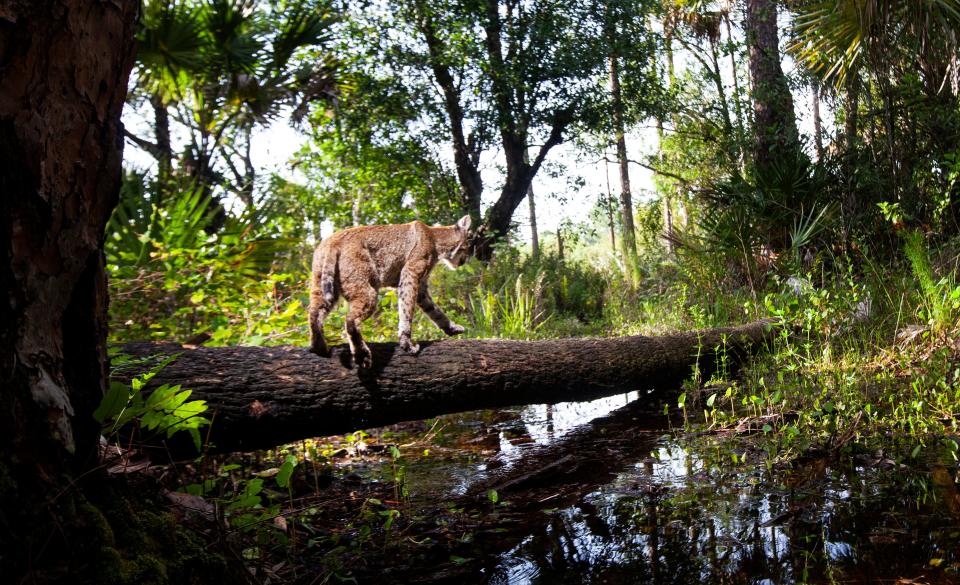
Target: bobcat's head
pixel 459 250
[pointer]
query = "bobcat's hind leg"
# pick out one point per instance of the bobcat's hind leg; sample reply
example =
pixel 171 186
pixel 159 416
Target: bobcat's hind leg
pixel 320 307
pixel 363 303
pixel 318 314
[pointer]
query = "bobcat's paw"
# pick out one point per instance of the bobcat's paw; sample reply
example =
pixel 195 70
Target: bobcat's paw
pixel 455 329
pixel 408 346
pixel 363 358
pixel 320 349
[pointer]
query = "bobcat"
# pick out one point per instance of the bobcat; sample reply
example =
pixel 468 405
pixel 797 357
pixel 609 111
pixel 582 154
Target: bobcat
pixel 357 262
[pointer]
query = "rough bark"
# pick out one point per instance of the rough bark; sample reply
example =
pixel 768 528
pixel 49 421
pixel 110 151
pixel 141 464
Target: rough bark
pixel 260 397
pixel 164 153
pixel 775 122
pixel 64 66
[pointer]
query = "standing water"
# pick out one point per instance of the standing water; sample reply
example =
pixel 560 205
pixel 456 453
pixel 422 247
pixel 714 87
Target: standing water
pixel 604 492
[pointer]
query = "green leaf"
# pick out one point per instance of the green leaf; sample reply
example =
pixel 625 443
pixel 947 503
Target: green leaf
pixel 160 395
pixel 286 470
pixel 114 401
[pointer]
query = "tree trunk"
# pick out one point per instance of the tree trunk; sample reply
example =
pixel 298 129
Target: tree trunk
pixel 667 199
pixel 628 237
pixel 161 129
pixel 851 129
pixel 609 206
pixel 851 103
pixel 775 122
pixel 260 397
pixel 465 152
pixel 514 191
pixel 817 123
pixel 534 236
pixel 510 116
pixel 560 244
pixel 64 66
pixel 721 91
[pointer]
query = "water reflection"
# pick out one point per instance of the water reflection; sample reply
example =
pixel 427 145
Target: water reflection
pixel 496 440
pixel 633 506
pixel 682 518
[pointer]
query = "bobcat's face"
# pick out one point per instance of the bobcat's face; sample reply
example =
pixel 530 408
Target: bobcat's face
pixel 457 255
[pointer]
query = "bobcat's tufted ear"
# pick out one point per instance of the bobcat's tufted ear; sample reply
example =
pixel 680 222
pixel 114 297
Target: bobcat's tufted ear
pixel 464 223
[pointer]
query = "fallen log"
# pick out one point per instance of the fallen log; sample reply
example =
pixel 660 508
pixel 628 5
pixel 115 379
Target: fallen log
pixel 260 397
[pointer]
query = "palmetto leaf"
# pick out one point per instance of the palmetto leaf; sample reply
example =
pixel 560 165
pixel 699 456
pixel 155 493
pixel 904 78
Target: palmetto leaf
pixel 834 37
pixel 171 40
pixel 236 39
pixel 306 24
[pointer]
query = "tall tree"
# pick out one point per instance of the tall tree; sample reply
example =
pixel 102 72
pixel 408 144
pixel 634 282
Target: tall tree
pixel 526 67
pixel 817 121
pixel 775 122
pixel 515 76
pixel 633 93
pixel 628 238
pixel 64 66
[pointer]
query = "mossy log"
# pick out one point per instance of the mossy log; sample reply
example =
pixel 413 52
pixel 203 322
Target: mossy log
pixel 261 397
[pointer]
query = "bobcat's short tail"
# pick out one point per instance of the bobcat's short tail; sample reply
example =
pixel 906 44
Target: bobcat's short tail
pixel 327 273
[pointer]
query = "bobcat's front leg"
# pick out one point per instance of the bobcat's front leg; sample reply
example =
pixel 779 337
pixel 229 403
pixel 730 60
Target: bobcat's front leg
pixel 439 318
pixel 407 295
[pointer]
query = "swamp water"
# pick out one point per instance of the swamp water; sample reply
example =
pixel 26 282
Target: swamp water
pixel 604 492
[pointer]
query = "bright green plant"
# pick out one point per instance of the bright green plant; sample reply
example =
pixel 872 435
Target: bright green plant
pixel 170 279
pixel 940 298
pixel 165 410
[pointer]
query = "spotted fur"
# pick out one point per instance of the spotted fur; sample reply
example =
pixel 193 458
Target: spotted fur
pixel 358 262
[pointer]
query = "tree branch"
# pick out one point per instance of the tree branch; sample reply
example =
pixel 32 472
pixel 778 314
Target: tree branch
pixel 149 147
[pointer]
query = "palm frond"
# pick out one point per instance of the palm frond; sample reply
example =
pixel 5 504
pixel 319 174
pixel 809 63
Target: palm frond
pixel 307 24
pixel 832 38
pixel 171 41
pixel 236 39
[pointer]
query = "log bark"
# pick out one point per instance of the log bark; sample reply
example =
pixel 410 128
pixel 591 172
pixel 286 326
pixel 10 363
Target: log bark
pixel 260 397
